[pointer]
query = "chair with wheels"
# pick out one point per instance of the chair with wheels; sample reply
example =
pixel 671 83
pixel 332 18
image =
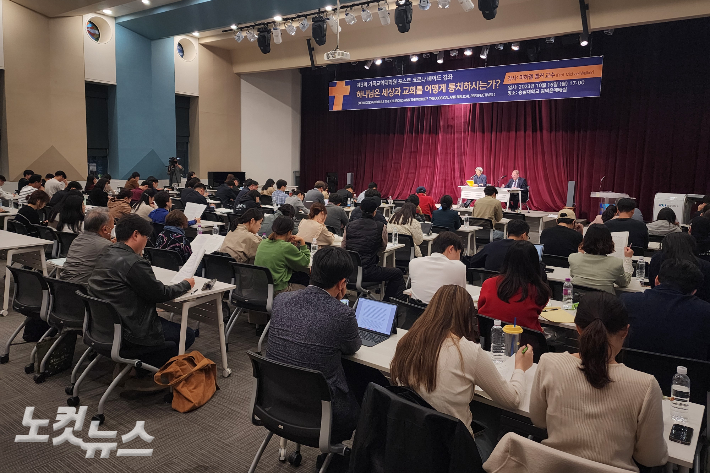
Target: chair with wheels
pixel 439 229
pixel 167 259
pixel 403 256
pixel 211 217
pixel 157 230
pixel 31 299
pixel 65 315
pixel 219 267
pixel 254 291
pixel 103 333
pixel 530 337
pixel 266 200
pixel 556 261
pixel 65 241
pixel 355 282
pixel 295 404
pixel 49 233
pixel 332 230
pixel 477 276
pixel 177 203
pixel 16 227
pixel 513 216
pixel 485 224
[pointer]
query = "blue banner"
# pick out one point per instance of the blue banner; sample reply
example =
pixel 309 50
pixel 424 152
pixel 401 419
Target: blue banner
pixel 570 78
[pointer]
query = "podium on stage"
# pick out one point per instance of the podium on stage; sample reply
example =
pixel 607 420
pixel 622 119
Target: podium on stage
pixel 606 199
pixel 680 203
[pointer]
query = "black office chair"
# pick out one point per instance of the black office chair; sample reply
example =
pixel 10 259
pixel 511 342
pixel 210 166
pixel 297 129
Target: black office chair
pixel 513 216
pixel 477 276
pixel 31 299
pixel 485 224
pixel 577 292
pixel 439 229
pixel 267 210
pixel 403 256
pixel 103 333
pixel 529 337
pixel 556 261
pixel 408 311
pixel 211 217
pixel 656 238
pixel 398 204
pixel 16 227
pixel 295 404
pixel 48 233
pixel 65 315
pixel 157 230
pixel 355 282
pixel 638 250
pixel 266 200
pixel 65 241
pixel 167 259
pixel 332 229
pixel 177 203
pixel 254 291
pixel 219 267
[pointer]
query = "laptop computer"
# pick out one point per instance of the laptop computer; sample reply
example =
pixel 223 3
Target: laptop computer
pixel 426 228
pixel 539 249
pixel 375 321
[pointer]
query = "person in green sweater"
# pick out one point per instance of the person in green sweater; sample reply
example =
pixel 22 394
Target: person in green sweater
pixel 286 255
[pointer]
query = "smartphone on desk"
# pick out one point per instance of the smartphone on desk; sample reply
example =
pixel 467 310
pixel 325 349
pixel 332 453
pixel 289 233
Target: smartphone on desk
pixel 209 285
pixel 681 434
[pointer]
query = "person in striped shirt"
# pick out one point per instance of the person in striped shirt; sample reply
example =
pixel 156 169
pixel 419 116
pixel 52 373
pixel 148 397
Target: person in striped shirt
pixel 33 183
pixel 279 196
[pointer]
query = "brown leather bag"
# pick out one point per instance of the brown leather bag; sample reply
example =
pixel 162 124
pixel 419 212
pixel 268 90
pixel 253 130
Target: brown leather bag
pixel 192 377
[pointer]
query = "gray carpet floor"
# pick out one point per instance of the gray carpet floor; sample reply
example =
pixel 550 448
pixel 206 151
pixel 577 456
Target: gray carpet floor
pixel 217 437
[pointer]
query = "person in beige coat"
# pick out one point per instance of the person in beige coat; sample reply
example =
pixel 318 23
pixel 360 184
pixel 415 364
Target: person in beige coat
pixel 120 205
pixel 242 242
pixel 314 226
pixel 404 222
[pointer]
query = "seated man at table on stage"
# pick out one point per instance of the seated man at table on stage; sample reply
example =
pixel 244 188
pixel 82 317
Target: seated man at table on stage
pixel 624 222
pixel 564 238
pixel 311 328
pixel 86 249
pixel 443 267
pixel 126 280
pixel 479 179
pixel 669 318
pixel 517 182
pixel 367 237
pixel 492 255
pixel 489 207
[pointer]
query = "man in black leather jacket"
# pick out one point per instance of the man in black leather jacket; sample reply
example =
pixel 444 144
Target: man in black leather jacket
pixel 126 280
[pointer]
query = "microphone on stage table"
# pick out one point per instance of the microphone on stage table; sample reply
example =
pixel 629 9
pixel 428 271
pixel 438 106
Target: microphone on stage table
pixel 600 183
pixel 501 178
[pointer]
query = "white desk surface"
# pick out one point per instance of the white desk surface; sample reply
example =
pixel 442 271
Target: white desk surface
pixel 654 245
pixel 10 241
pixel 469 229
pixel 165 275
pixel 208 224
pixel 380 356
pixel 8 212
pixel 559 275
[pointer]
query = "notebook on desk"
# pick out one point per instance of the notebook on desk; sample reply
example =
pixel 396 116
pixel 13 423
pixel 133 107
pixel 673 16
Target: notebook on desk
pixel 375 321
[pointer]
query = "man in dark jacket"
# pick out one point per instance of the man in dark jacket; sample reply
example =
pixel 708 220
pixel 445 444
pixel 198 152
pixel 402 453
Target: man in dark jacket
pixel 227 194
pixel 367 237
pixel 624 222
pixel 337 218
pixel 517 182
pixel 249 185
pixel 347 193
pixel 127 282
pixel 372 194
pixel 562 239
pixel 59 195
pixel 311 328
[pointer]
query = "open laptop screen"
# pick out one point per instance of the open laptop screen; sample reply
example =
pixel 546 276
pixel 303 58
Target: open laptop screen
pixel 539 249
pixel 375 316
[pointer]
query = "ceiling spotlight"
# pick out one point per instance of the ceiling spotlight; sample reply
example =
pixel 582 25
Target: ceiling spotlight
pixel 304 24
pixel 251 35
pixel 414 58
pixel 515 46
pixel 444 3
pixel 319 30
pixel 278 18
pixel 489 8
pixel 467 5
pixel 106 11
pixel 264 39
pixel 454 52
pixel 403 16
pixel 195 34
pixel 146 2
pixel 239 36
pixel 368 64
pixel 384 15
pixel 329 8
pixel 550 40
pixel 290 28
pixel 484 52
pixel 500 46
pixel 609 32
pixel 440 57
pixel 276 33
pixel 583 39
pixel 350 19
pixel 378 61
pixel 366 14
pixel 334 24
pixel 468 52
pixel 424 4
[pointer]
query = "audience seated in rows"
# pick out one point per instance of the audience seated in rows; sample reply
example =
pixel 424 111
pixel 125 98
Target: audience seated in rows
pixel 441 268
pixel 242 242
pixel 346 193
pixel 34 182
pixel 86 249
pixel 362 196
pixel 670 318
pixel 638 233
pixel 492 256
pixel 316 194
pixel 489 207
pixel 337 218
pixel 164 204
pixel 132 182
pixel 286 210
pixel 564 238
pixel 126 281
pixel 312 329
pixel 683 247
pixel 296 201
pixel 405 223
pixel 146 205
pixel 279 196
pixel 313 227
pixel 665 223
pixel 367 237
pixel 28 216
pixel 56 183
pixel 595 266
pixel 440 358
pixel 227 194
pixel 99 195
pixel 59 195
pixel 519 294
pixel 68 215
pixel 268 187
pixel 594 407
pixel 700 230
pixel 446 216
pixel 120 204
pixel 370 194
pixel 173 235
pixel 286 255
pixel 426 203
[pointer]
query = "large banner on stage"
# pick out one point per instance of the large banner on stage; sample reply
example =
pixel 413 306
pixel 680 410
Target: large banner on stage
pixel 570 78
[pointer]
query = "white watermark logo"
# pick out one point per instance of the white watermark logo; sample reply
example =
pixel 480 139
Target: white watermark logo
pixel 68 415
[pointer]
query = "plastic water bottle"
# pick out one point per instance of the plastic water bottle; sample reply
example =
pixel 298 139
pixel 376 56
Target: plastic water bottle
pixel 459 204
pixel 497 342
pixel 395 237
pixel 680 394
pixel 641 270
pixel 314 246
pixel 199 228
pixel 350 202
pixel 567 292
pixel 389 200
pixel 215 230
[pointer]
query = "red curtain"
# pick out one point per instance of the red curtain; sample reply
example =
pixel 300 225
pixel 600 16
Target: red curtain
pixel 649 131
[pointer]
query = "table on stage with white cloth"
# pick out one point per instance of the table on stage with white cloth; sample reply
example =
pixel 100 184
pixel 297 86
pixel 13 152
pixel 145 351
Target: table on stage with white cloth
pixel 475 193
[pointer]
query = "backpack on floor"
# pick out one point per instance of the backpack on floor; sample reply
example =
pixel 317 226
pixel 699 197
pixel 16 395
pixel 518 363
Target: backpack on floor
pixel 193 379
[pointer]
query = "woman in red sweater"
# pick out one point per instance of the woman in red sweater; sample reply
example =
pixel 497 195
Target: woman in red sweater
pixel 519 292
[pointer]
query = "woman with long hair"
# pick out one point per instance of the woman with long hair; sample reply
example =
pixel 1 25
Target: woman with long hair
pixel 90 182
pixel 314 226
pixel 594 407
pixel 683 247
pixel 594 265
pixel 519 293
pixel 98 195
pixel 440 359
pixel 145 205
pixel 242 242
pixel 665 223
pixel 69 217
pixel 405 222
pixel 446 216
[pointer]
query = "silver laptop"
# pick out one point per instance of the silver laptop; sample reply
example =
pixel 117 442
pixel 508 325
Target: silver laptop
pixel 375 321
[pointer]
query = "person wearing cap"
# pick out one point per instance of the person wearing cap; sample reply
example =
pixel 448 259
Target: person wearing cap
pixel 479 179
pixel 563 239
pixel 426 203
pixel 703 207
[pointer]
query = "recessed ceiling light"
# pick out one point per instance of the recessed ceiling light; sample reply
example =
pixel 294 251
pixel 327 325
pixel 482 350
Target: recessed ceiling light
pixel 234 27
pixel 195 33
pixel 329 8
pixel 106 11
pixel 278 18
pixel 146 2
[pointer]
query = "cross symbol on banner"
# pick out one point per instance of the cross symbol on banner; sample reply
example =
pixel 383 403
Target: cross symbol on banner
pixel 338 92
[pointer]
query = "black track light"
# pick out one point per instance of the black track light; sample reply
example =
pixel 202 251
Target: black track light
pixel 489 8
pixel 319 29
pixel 403 15
pixel 264 39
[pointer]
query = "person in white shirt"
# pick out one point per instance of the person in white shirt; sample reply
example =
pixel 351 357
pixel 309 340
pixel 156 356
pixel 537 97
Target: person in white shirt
pixel 443 267
pixel 52 186
pixel 33 183
pixel 4 194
